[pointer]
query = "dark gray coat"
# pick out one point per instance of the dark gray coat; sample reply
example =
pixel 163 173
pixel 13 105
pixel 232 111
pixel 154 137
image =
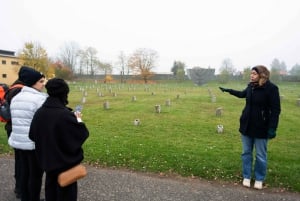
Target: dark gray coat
pixel 261 111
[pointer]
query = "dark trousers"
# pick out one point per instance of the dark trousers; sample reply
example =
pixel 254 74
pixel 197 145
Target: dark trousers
pixel 17 162
pixel 56 193
pixel 17 171
pixel 31 176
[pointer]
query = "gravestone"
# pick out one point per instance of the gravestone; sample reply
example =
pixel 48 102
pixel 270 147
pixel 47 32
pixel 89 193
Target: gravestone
pixel 133 98
pixel 220 128
pixel 106 105
pixel 136 122
pixel 168 102
pixel 219 111
pixel 157 108
pixel 213 98
pixel 298 102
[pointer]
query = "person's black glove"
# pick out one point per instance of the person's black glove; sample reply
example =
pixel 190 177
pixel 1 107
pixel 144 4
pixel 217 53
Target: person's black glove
pixel 224 90
pixel 271 133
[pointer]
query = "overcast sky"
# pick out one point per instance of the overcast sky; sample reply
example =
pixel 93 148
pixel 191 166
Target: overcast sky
pixel 196 32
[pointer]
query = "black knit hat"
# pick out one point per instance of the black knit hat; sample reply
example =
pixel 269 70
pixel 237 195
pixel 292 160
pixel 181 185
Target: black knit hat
pixel 57 87
pixel 29 76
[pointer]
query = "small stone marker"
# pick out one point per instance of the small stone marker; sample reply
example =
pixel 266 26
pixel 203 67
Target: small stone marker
pixel 213 98
pixel 136 122
pixel 106 105
pixel 219 111
pixel 168 102
pixel 298 102
pixel 220 128
pixel 157 108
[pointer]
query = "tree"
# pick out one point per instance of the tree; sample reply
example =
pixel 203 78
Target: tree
pixel 34 55
pixel 92 60
pixel 68 55
pixel 226 70
pixel 277 69
pixel 275 65
pixel 295 70
pixel 106 68
pixel 177 67
pixel 61 71
pixel 82 61
pixel 142 61
pixel 124 68
pixel 246 74
pixel 88 59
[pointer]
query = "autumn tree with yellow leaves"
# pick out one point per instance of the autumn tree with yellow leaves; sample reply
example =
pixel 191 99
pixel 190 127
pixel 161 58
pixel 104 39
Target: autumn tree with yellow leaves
pixel 142 61
pixel 35 56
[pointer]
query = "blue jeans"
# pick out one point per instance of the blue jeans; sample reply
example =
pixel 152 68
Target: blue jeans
pixel 260 166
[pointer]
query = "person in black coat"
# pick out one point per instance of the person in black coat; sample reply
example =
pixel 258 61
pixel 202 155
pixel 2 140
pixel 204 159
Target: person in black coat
pixel 15 89
pixel 59 134
pixel 258 122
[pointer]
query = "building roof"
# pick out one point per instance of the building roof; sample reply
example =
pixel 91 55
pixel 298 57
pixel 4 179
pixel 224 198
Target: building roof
pixel 7 53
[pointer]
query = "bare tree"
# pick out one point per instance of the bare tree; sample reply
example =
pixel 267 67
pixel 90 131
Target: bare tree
pixel 278 69
pixel 91 55
pixel 295 70
pixel 142 61
pixel 226 70
pixel 124 68
pixel 68 55
pixel 88 59
pixel 82 61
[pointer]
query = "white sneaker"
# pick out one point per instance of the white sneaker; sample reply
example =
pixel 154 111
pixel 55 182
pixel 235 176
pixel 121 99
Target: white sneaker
pixel 246 182
pixel 258 185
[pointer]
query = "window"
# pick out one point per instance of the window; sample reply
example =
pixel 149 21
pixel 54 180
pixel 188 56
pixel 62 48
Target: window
pixel 14 63
pixel 3 61
pixel 4 75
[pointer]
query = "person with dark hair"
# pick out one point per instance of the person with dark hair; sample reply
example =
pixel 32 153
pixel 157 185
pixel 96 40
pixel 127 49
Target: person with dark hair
pixel 22 107
pixel 258 122
pixel 59 134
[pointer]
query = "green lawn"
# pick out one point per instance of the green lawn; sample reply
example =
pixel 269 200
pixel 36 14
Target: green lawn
pixel 182 139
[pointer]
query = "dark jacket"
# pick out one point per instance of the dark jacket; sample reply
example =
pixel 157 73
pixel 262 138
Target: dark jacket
pixel 261 111
pixel 9 96
pixel 58 136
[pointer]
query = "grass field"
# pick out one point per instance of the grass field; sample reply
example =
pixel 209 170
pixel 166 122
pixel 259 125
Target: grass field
pixel 182 139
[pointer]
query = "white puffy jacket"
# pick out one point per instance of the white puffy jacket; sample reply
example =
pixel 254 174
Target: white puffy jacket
pixel 22 108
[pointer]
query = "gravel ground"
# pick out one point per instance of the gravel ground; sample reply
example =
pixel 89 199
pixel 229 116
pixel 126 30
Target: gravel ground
pixel 114 185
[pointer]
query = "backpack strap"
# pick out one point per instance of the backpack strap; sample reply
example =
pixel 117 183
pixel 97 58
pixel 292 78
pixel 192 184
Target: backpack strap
pixel 16 86
pixel 11 92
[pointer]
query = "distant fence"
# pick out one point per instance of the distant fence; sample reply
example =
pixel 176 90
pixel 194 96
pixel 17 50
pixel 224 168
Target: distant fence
pixel 130 77
pixel 287 78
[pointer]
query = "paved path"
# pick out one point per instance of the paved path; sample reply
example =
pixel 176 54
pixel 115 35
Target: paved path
pixel 118 185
